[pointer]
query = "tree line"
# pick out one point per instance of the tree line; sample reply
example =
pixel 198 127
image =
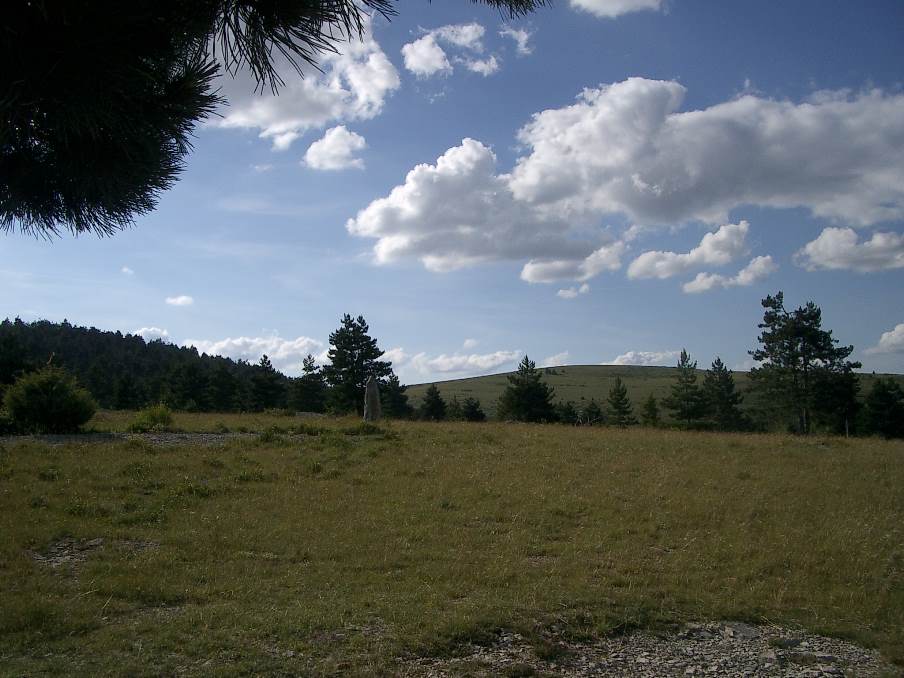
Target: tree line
pixel 803 381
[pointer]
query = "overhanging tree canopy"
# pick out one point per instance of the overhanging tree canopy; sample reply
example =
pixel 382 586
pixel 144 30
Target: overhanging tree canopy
pixel 98 98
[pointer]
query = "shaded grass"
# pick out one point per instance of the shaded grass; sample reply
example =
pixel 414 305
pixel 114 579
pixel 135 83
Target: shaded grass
pixel 344 548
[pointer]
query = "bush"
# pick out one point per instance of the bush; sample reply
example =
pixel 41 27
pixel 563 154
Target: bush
pixel 48 401
pixel 154 418
pixel 6 423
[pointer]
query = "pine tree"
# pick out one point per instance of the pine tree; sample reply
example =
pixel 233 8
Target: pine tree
pixel 268 389
pixel 566 412
pixel 453 410
pixel 649 414
pixel 620 410
pixel 592 414
pixel 721 401
pixel 472 411
pixel 223 390
pixel 797 359
pixel 527 397
pixel 434 407
pixel 394 399
pixel 685 402
pixel 354 356
pixel 308 392
pixel 885 409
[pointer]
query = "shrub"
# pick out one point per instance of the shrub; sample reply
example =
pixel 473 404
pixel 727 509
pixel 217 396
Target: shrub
pixel 6 423
pixel 154 418
pixel 48 401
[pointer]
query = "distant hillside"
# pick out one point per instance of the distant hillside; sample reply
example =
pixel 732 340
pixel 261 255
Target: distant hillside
pixel 583 382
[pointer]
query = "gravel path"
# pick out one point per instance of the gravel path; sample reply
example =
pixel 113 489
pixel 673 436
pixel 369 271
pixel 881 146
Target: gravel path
pixel 712 649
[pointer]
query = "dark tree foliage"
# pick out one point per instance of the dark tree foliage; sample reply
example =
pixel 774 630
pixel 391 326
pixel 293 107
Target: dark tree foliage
pixel 472 411
pixel 308 392
pixel 685 402
pixel 394 400
pixel 98 98
pixel 649 411
pixel 268 387
pixel 567 413
pixel 434 407
pixel 620 409
pixel 592 414
pixel 48 401
pixel 799 361
pixel 354 356
pixel 884 411
pixel 527 397
pixel 720 399
pixel 123 371
pixel 453 410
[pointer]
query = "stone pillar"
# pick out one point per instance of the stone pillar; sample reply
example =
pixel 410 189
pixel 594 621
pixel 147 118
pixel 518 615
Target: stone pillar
pixel 372 410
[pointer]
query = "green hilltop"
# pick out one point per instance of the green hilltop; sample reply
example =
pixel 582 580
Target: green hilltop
pixel 580 383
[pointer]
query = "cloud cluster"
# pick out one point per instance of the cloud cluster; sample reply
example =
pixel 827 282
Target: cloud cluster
pixel 555 360
pixel 125 270
pixel 181 300
pixel 839 248
pixel 521 38
pixel 756 270
pixel 456 364
pixel 285 354
pixel 610 9
pixel 425 57
pixel 890 342
pixel 353 85
pixel 336 150
pixel 715 249
pixel 645 358
pixel 459 212
pixel 626 148
pixel 572 292
pixel 152 333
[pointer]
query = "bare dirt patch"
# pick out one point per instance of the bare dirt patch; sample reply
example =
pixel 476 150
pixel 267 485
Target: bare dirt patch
pixel 70 552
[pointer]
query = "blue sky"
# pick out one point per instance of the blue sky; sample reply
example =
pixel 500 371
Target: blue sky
pixel 602 181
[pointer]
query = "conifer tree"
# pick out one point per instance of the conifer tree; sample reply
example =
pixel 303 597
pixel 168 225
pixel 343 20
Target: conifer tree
pixel 685 402
pixel 394 399
pixel 471 410
pixel 267 386
pixel 434 407
pixel 527 397
pixel 566 412
pixel 308 392
pixel 620 409
pixel 885 409
pixel 798 358
pixel 649 413
pixel 721 400
pixel 223 390
pixel 354 356
pixel 453 409
pixel 592 414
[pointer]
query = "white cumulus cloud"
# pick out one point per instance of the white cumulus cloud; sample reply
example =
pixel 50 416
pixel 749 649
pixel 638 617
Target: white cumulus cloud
pixel 459 212
pixel 420 365
pixel 181 300
pixel 840 248
pixel 483 66
pixel 627 148
pixel 610 9
pixel 555 360
pixel 125 270
pixel 572 292
pixel 336 150
pixel 521 38
pixel 890 342
pixel 424 57
pixel 645 358
pixel 353 85
pixel 285 354
pixel 468 344
pixel 756 270
pixel 152 333
pixel 715 249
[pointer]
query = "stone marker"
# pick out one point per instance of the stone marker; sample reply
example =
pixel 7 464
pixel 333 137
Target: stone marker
pixel 372 410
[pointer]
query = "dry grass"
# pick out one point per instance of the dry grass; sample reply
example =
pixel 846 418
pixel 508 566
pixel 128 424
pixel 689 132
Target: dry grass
pixel 334 552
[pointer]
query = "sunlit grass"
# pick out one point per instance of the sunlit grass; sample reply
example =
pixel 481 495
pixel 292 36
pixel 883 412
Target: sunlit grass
pixel 344 548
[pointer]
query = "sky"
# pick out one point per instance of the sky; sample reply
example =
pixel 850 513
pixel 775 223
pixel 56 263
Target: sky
pixel 600 182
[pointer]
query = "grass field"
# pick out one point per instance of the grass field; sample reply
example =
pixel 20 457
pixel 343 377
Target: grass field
pixel 340 550
pixel 583 382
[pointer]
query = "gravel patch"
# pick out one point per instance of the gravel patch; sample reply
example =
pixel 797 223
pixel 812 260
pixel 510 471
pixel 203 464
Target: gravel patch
pixel 709 649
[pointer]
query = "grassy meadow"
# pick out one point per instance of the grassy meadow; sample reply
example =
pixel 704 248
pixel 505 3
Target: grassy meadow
pixel 583 382
pixel 343 548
